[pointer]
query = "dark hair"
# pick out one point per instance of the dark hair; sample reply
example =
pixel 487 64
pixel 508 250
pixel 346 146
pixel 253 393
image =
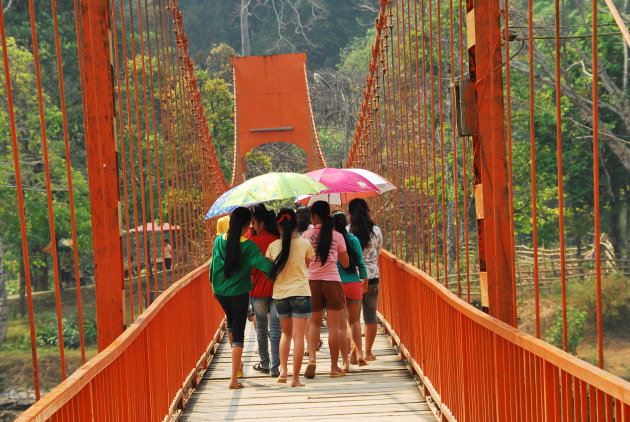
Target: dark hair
pixel 239 218
pixel 324 240
pixel 262 215
pixel 340 222
pixel 361 224
pixel 288 221
pixel 303 218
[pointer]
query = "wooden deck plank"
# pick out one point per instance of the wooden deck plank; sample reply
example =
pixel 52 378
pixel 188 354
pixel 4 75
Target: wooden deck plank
pixel 381 390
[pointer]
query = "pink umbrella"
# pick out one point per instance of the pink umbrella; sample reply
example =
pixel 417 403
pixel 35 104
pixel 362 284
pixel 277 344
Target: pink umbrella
pixel 346 184
pixel 152 227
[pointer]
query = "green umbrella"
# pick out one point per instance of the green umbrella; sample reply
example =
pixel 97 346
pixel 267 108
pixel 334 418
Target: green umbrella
pixel 265 188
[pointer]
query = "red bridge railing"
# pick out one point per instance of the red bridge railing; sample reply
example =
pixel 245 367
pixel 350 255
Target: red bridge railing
pixel 146 374
pixel 478 368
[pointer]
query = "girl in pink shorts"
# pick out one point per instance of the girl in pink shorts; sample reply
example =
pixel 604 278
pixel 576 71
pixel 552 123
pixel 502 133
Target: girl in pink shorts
pixel 353 288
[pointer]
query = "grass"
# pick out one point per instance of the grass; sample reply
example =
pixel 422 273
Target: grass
pixel 16 364
pixel 16 367
pixel 581 294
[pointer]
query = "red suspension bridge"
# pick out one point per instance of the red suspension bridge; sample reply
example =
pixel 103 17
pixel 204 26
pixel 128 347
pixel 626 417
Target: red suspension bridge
pixel 448 103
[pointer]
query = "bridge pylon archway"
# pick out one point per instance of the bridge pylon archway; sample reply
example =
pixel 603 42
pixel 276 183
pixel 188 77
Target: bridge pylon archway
pixel 272 104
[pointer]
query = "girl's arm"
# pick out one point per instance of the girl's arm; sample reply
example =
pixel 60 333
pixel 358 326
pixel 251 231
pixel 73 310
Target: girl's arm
pixel 309 255
pixel 379 240
pixel 259 261
pixel 342 253
pixel 344 259
pixel 361 262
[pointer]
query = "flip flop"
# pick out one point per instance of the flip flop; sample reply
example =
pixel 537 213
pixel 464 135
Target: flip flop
pixel 240 385
pixel 337 374
pixel 240 373
pixel 281 380
pixel 310 370
pixel 259 368
pixel 370 357
pixel 362 362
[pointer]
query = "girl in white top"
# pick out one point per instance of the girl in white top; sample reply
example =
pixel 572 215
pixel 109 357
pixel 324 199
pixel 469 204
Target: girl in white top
pixel 291 256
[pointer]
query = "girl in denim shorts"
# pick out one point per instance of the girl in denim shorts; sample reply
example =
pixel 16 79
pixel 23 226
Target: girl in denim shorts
pixel 290 256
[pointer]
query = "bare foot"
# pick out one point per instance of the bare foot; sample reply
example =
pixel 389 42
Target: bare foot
pixel 353 357
pixel 235 385
pixel 345 367
pixel 297 384
pixel 370 356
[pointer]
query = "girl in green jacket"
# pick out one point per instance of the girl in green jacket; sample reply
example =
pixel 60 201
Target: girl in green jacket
pixel 233 258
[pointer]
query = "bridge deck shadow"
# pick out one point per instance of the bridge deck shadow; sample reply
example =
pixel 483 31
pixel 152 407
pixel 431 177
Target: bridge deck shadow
pixel 383 390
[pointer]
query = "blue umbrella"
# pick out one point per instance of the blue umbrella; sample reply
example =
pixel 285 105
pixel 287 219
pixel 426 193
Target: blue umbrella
pixel 220 208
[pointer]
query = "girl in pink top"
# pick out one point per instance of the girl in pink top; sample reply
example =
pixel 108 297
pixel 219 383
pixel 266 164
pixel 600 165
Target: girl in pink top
pixel 326 289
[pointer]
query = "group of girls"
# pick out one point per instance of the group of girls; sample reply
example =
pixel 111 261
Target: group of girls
pixel 328 264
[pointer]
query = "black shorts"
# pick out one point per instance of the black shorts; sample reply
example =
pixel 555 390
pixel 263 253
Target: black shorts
pixel 235 308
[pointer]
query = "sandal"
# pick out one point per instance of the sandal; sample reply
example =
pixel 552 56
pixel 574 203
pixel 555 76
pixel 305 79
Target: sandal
pixel 310 370
pixel 240 372
pixel 281 380
pixel 239 385
pixel 259 368
pixel 362 362
pixel 370 357
pixel 319 346
pixel 337 374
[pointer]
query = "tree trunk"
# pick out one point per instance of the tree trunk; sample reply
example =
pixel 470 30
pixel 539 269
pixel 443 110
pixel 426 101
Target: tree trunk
pixel 452 237
pixel 39 275
pixel 22 291
pixel 4 304
pixel 245 50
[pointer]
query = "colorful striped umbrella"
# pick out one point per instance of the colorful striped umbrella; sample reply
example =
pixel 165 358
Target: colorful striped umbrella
pixel 265 188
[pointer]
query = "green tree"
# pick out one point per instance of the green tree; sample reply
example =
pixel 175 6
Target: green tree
pixel 215 80
pixel 33 185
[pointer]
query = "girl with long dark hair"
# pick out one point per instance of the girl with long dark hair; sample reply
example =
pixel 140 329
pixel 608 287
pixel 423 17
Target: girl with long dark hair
pixel 371 240
pixel 303 219
pixel 326 290
pixel 351 281
pixel 291 256
pixel 267 322
pixel 233 257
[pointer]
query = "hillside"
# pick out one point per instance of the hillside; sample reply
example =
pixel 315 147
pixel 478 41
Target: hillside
pixel 319 27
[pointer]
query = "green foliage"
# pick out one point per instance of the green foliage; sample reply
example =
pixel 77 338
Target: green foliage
pixel 615 300
pixel 357 54
pixel 17 340
pixel 576 322
pixel 47 333
pixel 215 81
pixel 29 143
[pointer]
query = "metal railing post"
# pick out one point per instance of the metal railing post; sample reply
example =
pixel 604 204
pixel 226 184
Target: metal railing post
pixel 496 251
pixel 103 176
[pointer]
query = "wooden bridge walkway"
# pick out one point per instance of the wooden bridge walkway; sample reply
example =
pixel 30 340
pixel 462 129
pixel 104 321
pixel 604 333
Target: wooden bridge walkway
pixel 383 390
